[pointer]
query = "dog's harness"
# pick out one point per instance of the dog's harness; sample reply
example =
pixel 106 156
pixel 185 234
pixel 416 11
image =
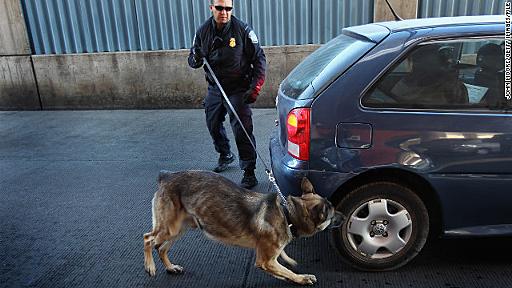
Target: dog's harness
pixel 268 171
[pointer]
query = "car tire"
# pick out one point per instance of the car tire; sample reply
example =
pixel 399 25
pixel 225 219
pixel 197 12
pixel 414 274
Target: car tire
pixel 387 225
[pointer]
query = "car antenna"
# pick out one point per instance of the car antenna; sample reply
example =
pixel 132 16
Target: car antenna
pixel 397 18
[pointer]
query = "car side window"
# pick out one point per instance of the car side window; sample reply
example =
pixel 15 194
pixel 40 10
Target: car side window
pixel 455 75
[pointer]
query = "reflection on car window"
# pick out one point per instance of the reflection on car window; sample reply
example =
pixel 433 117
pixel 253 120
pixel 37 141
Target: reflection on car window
pixel 343 47
pixel 445 75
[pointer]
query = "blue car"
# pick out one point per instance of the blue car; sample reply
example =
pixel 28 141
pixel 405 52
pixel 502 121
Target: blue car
pixel 405 127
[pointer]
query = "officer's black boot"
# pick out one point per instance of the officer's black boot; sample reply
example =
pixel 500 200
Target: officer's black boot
pixel 223 162
pixel 249 179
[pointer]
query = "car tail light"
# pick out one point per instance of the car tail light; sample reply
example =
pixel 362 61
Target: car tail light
pixel 297 125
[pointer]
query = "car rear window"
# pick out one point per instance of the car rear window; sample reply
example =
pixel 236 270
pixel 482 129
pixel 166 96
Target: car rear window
pixel 341 51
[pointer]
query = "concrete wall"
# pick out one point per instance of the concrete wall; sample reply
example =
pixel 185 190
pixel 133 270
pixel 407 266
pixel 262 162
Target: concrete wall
pixel 160 79
pixel 17 84
pixel 407 9
pixel 18 88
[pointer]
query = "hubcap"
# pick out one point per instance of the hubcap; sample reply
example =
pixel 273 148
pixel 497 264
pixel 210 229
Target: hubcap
pixel 379 228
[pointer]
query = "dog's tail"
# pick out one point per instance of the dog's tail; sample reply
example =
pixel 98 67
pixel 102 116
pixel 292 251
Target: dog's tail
pixel 162 176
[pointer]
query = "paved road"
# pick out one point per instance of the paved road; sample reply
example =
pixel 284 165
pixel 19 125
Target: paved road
pixel 75 193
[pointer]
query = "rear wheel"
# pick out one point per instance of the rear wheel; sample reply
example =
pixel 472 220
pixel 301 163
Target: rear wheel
pixel 387 225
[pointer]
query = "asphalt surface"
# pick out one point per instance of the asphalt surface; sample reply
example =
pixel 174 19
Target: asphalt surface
pixel 75 198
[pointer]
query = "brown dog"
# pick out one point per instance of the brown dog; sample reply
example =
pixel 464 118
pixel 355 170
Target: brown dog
pixel 233 215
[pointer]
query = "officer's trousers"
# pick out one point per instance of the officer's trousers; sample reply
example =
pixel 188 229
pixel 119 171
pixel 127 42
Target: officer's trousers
pixel 216 109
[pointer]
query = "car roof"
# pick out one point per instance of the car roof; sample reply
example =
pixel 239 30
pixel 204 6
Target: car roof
pixel 413 24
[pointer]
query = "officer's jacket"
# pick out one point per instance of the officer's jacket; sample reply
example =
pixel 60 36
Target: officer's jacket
pixel 234 54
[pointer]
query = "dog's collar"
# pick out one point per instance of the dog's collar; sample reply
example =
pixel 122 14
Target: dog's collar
pixel 292 227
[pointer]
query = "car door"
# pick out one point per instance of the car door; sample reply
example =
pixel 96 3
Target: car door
pixel 441 112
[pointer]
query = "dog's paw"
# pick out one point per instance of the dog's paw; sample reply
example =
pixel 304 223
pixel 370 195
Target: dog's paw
pixel 307 279
pixel 174 269
pixel 151 270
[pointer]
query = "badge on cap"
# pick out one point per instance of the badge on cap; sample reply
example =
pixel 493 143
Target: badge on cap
pixel 232 43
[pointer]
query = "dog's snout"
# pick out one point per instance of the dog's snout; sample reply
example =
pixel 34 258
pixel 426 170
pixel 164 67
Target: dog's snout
pixel 337 220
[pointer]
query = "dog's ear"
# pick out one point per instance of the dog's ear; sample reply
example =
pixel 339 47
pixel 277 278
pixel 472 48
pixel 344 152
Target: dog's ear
pixel 307 187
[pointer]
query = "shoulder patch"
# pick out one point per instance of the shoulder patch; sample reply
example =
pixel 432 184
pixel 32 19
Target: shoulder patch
pixel 253 37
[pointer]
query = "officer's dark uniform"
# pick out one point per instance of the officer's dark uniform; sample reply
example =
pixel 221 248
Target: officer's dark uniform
pixel 239 64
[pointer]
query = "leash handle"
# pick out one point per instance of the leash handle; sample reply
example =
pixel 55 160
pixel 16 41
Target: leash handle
pixel 268 171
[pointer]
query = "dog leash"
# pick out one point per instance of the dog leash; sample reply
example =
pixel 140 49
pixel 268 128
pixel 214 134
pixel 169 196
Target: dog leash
pixel 270 175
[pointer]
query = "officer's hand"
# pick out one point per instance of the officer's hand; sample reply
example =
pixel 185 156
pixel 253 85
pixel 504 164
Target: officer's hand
pixel 250 96
pixel 198 54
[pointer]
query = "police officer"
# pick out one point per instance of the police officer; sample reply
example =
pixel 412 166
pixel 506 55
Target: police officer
pixel 233 51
